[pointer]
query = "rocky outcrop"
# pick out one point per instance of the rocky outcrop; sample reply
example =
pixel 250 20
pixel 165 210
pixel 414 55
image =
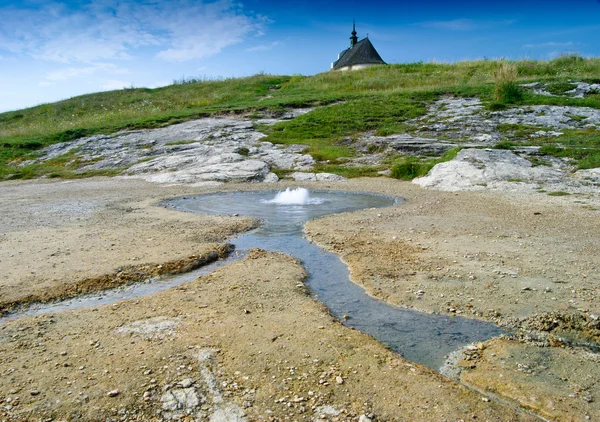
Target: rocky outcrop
pixel 210 149
pixel 475 169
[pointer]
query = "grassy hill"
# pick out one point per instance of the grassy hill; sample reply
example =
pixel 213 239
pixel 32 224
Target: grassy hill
pixel 376 99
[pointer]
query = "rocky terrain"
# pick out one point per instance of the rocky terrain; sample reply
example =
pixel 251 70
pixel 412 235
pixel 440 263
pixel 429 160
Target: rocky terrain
pixel 229 149
pixel 479 237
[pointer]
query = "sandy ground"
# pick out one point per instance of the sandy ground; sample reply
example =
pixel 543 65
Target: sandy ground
pixel 249 342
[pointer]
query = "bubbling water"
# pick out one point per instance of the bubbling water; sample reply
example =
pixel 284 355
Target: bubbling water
pixel 298 196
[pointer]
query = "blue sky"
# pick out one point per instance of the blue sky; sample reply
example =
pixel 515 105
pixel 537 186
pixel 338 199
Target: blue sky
pixel 52 50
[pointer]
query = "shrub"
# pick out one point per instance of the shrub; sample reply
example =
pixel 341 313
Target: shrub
pixel 410 168
pixel 507 89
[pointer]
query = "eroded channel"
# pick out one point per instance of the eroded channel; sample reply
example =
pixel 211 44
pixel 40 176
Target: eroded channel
pixel 418 336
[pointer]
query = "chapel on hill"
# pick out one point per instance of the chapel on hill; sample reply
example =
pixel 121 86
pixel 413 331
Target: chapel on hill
pixel 361 54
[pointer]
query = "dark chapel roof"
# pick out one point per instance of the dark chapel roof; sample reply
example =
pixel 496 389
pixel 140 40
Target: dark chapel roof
pixel 362 52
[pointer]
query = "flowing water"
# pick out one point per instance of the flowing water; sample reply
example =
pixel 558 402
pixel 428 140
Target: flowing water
pixel 418 336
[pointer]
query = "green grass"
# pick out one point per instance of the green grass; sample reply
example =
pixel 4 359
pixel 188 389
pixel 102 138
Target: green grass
pixel 174 143
pixel 350 171
pixel 583 146
pixel 559 88
pixel 407 168
pixel 327 129
pixel 378 99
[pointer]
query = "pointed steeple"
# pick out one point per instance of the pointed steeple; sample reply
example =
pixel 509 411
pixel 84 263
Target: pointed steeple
pixel 353 38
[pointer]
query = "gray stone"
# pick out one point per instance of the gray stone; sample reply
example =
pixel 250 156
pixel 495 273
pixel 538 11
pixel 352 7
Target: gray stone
pixel 210 149
pixel 474 169
pixel 304 177
pixel 181 399
pixel 329 177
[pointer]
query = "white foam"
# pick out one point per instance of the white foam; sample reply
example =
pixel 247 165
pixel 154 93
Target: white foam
pixel 298 196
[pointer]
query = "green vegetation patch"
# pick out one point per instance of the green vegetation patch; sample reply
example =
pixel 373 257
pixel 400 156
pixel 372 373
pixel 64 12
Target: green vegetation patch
pixel 559 88
pixel 410 167
pixel 582 145
pixel 378 99
pixel 327 131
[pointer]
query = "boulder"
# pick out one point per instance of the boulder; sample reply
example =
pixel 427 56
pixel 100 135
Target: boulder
pixel 474 169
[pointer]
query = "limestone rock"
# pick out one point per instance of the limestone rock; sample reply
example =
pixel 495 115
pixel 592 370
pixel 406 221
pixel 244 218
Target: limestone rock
pixel 473 169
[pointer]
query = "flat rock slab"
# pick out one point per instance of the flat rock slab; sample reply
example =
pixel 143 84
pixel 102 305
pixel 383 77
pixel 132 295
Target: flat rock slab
pixel 556 383
pixel 209 149
pixel 475 169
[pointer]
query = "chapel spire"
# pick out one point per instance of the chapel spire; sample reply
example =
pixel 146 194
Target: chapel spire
pixel 353 38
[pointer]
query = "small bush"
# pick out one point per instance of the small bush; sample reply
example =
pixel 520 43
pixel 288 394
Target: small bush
pixel 410 168
pixel 507 89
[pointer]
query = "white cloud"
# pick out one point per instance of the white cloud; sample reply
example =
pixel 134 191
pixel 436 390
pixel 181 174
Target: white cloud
pixel 112 30
pixel 550 44
pixel 464 24
pixel 452 25
pixel 264 47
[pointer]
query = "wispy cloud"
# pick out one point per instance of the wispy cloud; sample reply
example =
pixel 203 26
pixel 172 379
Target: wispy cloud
pixel 550 44
pixel 264 47
pixel 452 25
pixel 463 24
pixel 179 30
pixel 75 72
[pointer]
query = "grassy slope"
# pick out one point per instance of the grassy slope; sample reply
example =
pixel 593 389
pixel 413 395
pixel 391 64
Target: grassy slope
pixel 377 99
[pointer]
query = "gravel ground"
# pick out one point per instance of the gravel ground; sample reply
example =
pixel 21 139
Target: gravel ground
pixel 249 342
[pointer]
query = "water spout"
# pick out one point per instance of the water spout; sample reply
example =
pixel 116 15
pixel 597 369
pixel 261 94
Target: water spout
pixel 298 196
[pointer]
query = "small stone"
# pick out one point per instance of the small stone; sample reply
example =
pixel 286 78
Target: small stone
pixel 485 399
pixel 113 393
pixel 34 392
pixel 364 418
pixel 339 380
pixel 187 383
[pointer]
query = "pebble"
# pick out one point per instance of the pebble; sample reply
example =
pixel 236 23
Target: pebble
pixel 113 393
pixel 187 383
pixel 339 380
pixel 34 392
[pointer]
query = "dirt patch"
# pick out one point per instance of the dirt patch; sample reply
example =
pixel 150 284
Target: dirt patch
pixel 63 239
pixel 559 384
pixel 246 341
pixel 520 261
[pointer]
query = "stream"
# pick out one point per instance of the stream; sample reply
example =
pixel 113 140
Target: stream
pixel 417 336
